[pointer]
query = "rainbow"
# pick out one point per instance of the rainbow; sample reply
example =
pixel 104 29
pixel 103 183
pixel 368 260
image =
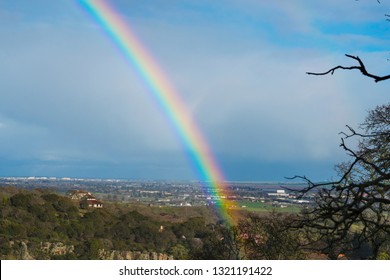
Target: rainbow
pixel 168 99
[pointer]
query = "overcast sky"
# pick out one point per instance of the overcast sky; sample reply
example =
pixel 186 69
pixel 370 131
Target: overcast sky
pixel 72 106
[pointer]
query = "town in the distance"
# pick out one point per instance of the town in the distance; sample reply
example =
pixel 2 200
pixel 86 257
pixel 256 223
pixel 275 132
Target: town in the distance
pixel 251 196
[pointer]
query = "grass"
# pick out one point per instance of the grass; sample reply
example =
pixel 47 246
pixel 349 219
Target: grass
pixel 268 207
pixel 174 214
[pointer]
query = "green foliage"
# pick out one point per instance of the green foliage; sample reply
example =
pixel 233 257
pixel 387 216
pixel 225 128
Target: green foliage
pixel 45 212
pixel 12 229
pixel 90 249
pixel 179 252
pixel 5 248
pixel 383 256
pixel 4 201
pixel 190 228
pixel 21 200
pixel 62 205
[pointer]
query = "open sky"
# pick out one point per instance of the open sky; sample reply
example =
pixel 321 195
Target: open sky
pixel 72 106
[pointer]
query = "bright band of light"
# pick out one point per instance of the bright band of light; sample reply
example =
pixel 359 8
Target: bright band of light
pixel 168 98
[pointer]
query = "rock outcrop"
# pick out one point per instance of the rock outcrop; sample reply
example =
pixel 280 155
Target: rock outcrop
pixel 48 250
pixel 23 252
pixel 56 248
pixel 132 255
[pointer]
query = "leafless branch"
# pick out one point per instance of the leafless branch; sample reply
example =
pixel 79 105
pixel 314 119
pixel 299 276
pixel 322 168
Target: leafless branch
pixel 361 67
pixel 359 199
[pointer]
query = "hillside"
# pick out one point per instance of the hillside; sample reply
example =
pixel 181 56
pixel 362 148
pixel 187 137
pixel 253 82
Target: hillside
pixel 41 224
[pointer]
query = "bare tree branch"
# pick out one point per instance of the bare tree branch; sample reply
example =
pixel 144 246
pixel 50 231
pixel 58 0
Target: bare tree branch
pixel 361 68
pixel 354 210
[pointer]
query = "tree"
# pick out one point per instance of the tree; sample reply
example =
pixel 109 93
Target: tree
pixel 355 210
pixel 21 200
pixel 218 243
pixel 270 237
pixel 179 252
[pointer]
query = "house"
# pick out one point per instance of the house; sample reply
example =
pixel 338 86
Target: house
pixel 78 194
pixel 91 202
pixel 89 197
pixel 87 200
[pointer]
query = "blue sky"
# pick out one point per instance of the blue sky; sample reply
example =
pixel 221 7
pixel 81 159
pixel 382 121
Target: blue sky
pixel 71 106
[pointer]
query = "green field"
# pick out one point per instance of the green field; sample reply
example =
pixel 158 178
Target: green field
pixel 267 207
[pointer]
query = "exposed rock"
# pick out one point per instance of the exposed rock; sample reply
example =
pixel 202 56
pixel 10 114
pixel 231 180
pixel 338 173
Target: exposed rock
pixel 57 248
pixel 50 249
pixel 132 255
pixel 23 252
